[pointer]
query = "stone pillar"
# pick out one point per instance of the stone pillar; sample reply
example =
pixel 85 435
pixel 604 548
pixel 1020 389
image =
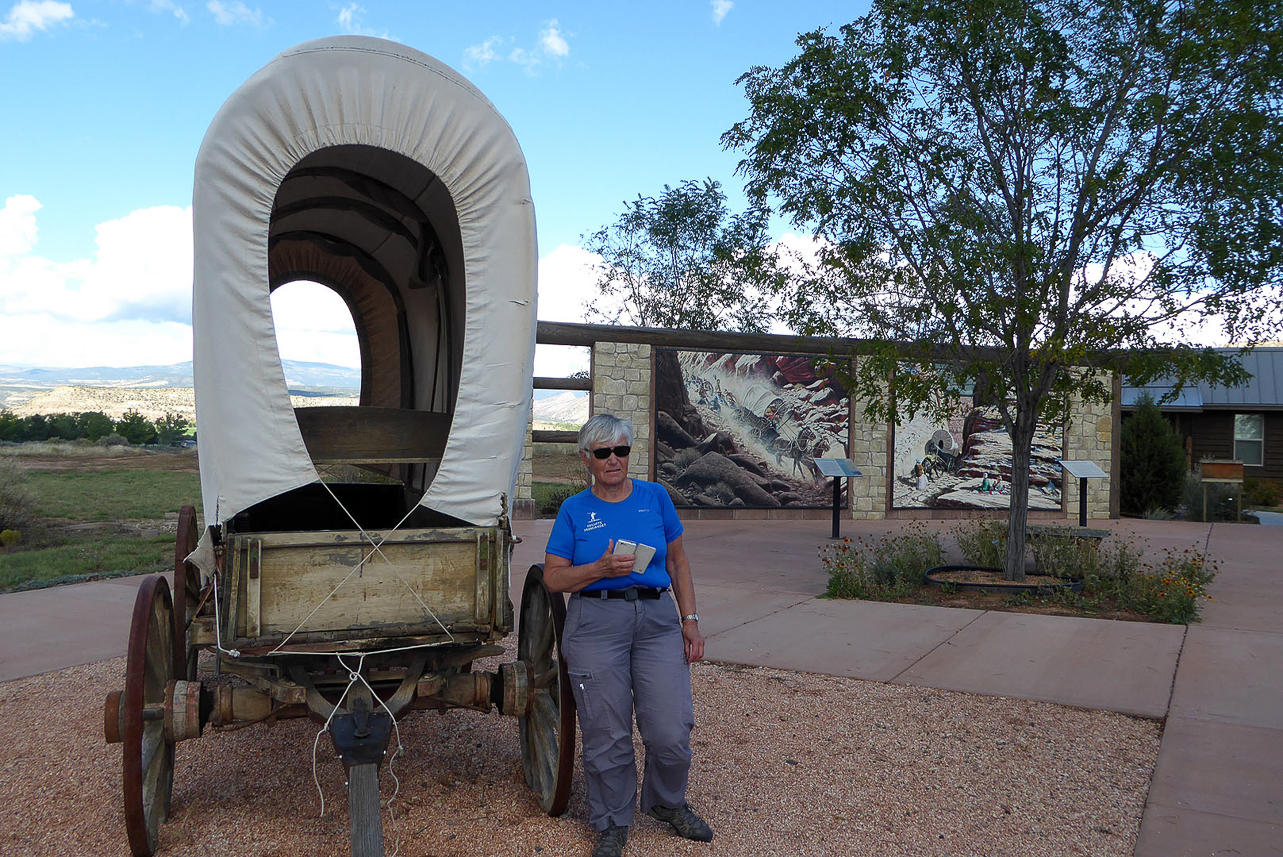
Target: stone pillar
pixel 522 502
pixel 870 450
pixel 1089 436
pixel 622 385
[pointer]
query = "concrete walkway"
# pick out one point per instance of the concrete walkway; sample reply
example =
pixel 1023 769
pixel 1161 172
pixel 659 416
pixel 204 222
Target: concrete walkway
pixel 1218 785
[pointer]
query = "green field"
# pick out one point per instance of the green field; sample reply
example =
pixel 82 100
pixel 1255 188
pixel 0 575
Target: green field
pixel 90 523
pixel 95 518
pixel 112 495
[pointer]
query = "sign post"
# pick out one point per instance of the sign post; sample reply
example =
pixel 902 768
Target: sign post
pixel 1083 470
pixel 838 468
pixel 1222 471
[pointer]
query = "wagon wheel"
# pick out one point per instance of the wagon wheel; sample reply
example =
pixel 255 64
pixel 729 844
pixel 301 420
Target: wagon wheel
pixel 187 588
pixel 148 757
pixel 548 731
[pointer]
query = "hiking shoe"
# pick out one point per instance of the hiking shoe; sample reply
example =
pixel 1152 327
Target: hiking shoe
pixel 611 841
pixel 687 824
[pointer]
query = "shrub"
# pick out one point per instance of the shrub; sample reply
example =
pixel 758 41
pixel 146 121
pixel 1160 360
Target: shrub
pixel 1175 588
pixel 1152 461
pixel 1261 492
pixel 17 507
pixel 878 570
pixel 983 543
pixel 1067 556
pixel 112 439
pixel 552 503
pixel 1117 576
pixel 9 538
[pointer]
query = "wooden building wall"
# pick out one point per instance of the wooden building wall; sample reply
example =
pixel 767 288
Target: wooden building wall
pixel 1211 435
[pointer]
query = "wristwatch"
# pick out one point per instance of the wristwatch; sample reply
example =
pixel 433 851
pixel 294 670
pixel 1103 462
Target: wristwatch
pixel 691 617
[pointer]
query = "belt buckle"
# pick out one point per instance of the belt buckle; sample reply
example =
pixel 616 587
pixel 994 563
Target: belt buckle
pixel 630 594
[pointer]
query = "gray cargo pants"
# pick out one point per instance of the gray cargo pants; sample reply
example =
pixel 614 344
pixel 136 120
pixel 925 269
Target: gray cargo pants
pixel 625 655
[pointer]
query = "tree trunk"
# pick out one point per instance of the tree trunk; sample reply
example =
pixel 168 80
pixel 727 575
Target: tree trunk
pixel 1021 441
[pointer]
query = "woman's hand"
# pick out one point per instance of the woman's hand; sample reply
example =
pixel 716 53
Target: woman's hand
pixel 615 564
pixel 694 641
pixel 560 576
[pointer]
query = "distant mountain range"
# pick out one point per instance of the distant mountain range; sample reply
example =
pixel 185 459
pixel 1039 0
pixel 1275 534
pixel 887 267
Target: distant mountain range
pixel 561 409
pixel 297 374
pixel 26 384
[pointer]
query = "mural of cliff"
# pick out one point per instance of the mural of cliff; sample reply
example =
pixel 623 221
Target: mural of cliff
pixel 965 462
pixel 741 430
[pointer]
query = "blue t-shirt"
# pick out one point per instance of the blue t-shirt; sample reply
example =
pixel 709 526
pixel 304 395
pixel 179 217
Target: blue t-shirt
pixel 586 524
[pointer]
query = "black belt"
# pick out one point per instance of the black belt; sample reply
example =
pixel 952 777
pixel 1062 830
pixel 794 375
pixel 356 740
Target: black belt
pixel 632 593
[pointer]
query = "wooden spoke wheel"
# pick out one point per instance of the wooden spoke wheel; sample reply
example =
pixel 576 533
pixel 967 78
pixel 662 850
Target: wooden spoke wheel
pixel 148 758
pixel 187 592
pixel 548 731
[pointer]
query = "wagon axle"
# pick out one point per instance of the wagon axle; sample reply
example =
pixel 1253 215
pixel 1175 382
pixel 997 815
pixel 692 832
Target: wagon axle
pixel 189 706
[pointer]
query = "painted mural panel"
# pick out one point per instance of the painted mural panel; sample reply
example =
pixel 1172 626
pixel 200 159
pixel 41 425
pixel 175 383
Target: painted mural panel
pixel 964 462
pixel 741 430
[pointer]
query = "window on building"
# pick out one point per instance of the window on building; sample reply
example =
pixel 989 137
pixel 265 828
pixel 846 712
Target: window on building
pixel 1249 438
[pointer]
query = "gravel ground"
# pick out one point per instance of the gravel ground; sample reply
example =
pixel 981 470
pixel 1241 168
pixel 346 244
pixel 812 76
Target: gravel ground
pixel 785 763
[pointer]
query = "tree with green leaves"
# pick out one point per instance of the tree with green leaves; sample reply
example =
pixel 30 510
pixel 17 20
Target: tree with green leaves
pixel 136 428
pixel 1028 195
pixel 683 260
pixel 1152 460
pixel 171 428
pixel 94 424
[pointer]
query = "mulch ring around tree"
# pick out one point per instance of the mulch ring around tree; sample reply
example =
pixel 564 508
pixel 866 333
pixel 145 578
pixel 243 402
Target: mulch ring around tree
pixel 980 578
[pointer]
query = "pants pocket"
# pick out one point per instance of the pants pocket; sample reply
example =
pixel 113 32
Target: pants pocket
pixel 581 685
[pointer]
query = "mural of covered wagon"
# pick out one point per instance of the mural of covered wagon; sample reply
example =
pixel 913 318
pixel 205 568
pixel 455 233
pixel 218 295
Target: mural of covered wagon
pixel 377 171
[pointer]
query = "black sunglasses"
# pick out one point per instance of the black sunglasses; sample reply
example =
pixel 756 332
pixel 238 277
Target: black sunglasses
pixel 604 453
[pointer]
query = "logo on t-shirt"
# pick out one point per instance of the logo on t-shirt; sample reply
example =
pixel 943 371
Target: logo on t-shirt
pixel 594 523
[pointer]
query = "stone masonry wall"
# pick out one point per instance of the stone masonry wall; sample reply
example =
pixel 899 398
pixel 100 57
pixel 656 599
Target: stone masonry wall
pixel 1089 436
pixel 523 502
pixel 622 386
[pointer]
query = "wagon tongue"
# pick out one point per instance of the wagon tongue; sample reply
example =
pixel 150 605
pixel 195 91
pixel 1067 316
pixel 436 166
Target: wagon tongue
pixel 361 736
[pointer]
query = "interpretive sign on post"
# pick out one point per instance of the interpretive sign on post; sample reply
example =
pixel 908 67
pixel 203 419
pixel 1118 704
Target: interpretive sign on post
pixel 1082 471
pixel 837 468
pixel 1224 472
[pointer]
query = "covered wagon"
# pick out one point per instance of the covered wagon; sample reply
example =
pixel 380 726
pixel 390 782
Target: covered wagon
pixel 354 561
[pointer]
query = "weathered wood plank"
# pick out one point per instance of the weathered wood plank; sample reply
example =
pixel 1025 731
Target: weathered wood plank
pixel 369 435
pixel 364 812
pixel 544 383
pixel 554 436
pixel 296 581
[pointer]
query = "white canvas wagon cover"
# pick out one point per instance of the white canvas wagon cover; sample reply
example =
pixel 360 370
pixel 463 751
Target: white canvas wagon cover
pixel 382 173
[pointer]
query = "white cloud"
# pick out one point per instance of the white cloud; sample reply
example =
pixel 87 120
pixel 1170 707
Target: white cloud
pixel 567 280
pixel 551 47
pixel 234 12
pixel 28 16
pixel 552 42
pixel 171 7
pixel 721 8
pixel 129 304
pixel 314 324
pixel 484 53
pixel 17 227
pixel 350 19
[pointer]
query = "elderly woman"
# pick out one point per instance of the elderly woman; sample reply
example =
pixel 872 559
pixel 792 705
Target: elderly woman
pixel 627 646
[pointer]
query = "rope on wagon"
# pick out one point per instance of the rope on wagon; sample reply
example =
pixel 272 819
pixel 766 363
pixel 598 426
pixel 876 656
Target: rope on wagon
pixel 377 549
pixel 354 675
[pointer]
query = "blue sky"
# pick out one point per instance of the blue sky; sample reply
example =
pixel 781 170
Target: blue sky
pixel 105 102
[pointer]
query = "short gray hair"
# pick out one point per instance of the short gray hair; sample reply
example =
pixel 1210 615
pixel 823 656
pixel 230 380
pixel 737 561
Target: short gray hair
pixel 605 428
